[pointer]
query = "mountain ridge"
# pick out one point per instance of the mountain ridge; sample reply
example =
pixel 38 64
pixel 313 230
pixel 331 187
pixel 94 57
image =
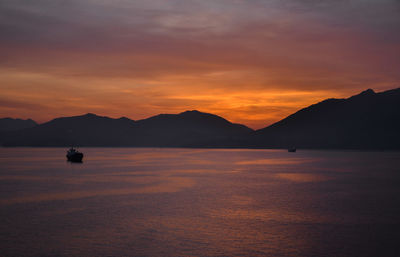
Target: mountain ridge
pixel 9 124
pixel 368 120
pixel 186 129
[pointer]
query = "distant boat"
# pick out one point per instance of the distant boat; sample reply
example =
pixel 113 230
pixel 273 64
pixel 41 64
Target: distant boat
pixel 74 156
pixel 292 150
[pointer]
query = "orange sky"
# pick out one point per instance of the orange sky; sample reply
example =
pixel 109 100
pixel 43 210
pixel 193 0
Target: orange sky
pixel 252 62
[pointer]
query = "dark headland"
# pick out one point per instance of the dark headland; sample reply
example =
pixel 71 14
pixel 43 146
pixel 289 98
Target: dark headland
pixel 368 120
pixel 9 124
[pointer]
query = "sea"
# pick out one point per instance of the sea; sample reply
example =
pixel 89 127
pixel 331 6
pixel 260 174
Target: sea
pixel 199 202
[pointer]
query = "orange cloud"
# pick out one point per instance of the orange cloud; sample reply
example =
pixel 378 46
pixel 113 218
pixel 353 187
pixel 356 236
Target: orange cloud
pixel 250 62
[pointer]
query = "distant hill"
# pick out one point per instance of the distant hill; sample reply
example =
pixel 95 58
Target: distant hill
pixel 88 130
pixel 9 124
pixel 190 129
pixel 368 120
pixel 187 129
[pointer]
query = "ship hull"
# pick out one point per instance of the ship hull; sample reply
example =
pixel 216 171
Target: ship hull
pixel 76 157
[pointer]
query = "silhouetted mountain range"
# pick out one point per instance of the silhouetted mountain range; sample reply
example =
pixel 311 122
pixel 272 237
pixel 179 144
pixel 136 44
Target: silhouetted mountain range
pixel 366 121
pixel 187 129
pixel 9 124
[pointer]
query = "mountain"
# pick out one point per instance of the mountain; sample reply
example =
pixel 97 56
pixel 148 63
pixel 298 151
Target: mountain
pixel 9 124
pixel 85 130
pixel 190 129
pixel 368 120
pixel 187 129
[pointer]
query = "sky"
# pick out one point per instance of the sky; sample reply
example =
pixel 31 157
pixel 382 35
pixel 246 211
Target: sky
pixel 252 62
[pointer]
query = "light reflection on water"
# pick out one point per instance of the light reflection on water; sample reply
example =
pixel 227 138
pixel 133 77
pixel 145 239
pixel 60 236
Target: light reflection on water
pixel 199 202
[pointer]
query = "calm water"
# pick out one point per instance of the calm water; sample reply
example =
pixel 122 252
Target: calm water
pixel 193 202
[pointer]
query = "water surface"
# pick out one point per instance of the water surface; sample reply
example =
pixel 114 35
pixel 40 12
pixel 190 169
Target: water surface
pixel 199 202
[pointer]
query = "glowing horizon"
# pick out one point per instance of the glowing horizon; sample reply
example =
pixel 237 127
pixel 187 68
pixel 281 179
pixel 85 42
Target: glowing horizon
pixel 251 62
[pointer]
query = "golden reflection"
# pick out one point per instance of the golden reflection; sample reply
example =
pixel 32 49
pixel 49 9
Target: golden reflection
pixel 242 200
pixel 167 185
pixel 270 215
pixel 32 178
pixel 303 177
pixel 271 161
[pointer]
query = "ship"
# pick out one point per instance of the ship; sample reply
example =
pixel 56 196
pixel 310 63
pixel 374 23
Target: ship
pixel 74 155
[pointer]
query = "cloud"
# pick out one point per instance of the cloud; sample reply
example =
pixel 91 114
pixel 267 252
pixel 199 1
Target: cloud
pixel 169 49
